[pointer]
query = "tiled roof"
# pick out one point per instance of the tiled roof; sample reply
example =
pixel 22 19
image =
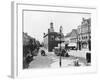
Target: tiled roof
pixel 70 34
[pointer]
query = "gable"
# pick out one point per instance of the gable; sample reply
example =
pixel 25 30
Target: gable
pixel 73 34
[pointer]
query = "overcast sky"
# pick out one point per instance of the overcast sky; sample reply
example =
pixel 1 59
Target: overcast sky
pixel 36 23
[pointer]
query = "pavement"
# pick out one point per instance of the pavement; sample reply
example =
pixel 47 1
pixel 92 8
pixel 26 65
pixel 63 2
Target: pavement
pixel 79 53
pixel 52 61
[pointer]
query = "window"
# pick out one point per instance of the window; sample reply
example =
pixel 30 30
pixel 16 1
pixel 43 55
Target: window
pixel 86 37
pixel 52 37
pixel 82 37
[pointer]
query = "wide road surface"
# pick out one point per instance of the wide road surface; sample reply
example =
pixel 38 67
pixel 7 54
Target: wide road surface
pixel 52 61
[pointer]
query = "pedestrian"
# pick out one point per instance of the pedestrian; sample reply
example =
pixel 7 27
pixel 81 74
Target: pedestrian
pixel 43 53
pixel 76 62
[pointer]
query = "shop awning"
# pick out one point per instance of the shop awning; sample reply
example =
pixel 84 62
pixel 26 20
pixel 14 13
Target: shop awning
pixel 72 44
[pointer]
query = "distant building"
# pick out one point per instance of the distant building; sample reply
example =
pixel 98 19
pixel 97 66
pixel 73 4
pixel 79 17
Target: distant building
pixel 71 38
pixel 84 34
pixel 51 39
pixel 81 36
pixel 67 38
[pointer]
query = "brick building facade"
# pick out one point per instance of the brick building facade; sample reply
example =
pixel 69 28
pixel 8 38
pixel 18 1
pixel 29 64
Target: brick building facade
pixel 51 39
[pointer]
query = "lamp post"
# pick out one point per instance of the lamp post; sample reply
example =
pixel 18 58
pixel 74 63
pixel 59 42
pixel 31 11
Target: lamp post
pixel 60 63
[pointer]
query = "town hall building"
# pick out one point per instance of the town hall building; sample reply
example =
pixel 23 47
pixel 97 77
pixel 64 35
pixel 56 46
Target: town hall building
pixel 51 39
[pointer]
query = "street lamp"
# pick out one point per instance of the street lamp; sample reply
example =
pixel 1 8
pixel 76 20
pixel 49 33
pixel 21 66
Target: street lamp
pixel 60 45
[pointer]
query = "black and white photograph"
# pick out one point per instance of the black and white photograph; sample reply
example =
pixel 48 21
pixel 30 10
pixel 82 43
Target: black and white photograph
pixel 50 40
pixel 56 39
